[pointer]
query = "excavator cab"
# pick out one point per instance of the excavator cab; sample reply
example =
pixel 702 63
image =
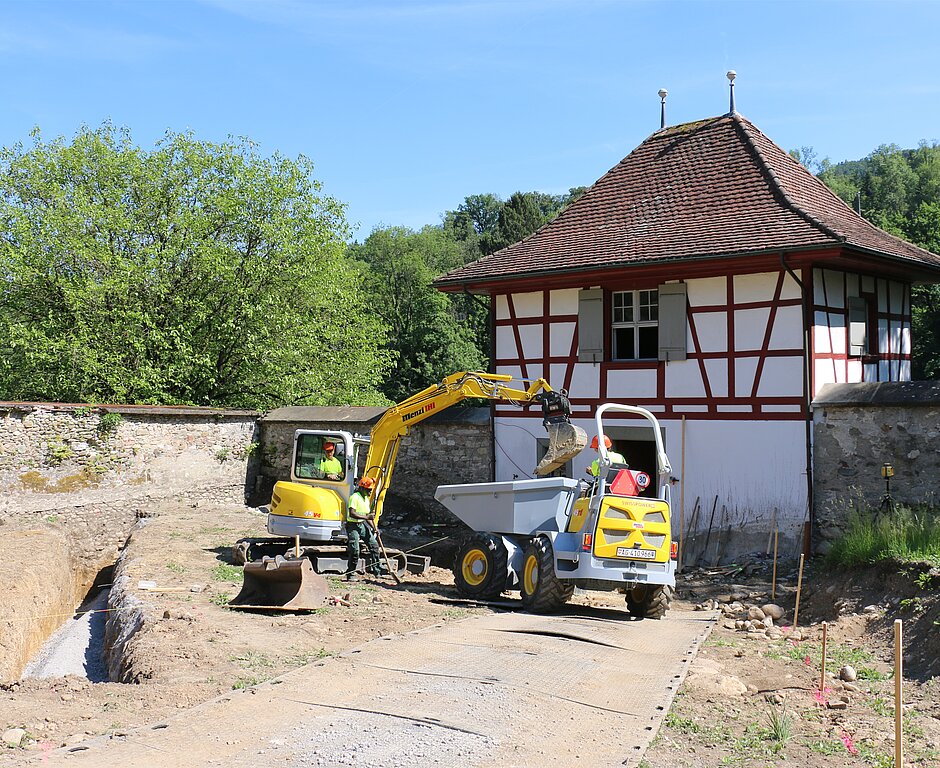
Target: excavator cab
pixel 313 503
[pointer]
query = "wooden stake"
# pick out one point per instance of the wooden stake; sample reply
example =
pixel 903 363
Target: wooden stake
pixel 822 674
pixel 799 586
pixel 682 497
pixel 773 585
pixel 296 546
pixel 898 702
pixel 773 527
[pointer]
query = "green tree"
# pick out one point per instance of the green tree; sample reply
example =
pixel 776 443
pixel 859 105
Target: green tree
pixel 519 217
pixel 193 273
pixel 433 334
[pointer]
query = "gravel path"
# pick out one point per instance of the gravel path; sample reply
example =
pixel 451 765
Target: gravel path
pixel 76 647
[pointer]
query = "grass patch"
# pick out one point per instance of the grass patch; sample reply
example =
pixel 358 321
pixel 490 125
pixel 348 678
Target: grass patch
pixel 225 572
pixel 909 534
pixel 867 673
pixel 681 724
pixel 825 747
pixel 455 613
pixel 175 567
pixel 219 599
pixel 720 642
pixel 253 660
pixel 246 682
pixel 836 654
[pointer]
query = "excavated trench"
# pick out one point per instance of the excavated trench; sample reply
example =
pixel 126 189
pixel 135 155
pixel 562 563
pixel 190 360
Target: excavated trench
pixel 77 647
pixel 59 618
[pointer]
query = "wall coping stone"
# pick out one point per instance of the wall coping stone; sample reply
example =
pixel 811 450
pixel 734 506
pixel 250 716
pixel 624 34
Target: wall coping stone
pixel 885 393
pixel 142 410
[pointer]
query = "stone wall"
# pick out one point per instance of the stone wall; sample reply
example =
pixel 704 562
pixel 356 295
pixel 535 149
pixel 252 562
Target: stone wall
pixel 455 446
pixel 859 427
pixel 93 471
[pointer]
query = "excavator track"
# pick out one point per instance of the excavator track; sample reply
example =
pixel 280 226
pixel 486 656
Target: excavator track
pixel 325 558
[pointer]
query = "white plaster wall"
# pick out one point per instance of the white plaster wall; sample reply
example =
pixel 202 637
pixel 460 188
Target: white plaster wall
pixel 781 377
pixel 506 343
pixel 564 302
pixel 759 287
pixel 745 369
pixel 717 371
pixel 502 308
pixel 750 326
pixel 712 331
pixel 559 339
pixel 585 381
pixel 788 329
pixel 527 304
pixel 684 379
pixel 633 384
pixel 707 291
pixel 531 338
pixel 823 373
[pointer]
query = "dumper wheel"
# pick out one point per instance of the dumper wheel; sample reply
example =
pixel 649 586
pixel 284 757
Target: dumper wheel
pixel 649 602
pixel 542 591
pixel 481 566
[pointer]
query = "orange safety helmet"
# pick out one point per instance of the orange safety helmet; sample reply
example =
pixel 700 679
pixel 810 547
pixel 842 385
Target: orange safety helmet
pixel 367 482
pixel 607 443
pixel 328 446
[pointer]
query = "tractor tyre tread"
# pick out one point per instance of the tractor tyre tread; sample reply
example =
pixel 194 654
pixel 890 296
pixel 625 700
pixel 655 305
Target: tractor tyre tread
pixel 654 603
pixel 551 592
pixel 497 566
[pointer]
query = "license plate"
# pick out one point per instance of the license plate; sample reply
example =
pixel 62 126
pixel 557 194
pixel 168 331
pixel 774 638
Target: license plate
pixel 636 554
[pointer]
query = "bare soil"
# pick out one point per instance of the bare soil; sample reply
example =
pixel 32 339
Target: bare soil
pixel 192 648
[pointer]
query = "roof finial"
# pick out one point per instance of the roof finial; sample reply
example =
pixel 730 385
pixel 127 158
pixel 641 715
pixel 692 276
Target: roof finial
pixel 662 111
pixel 731 75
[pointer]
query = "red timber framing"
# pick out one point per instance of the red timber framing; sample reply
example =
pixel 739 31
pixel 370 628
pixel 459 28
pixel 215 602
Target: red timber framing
pixel 736 395
pixel 888 328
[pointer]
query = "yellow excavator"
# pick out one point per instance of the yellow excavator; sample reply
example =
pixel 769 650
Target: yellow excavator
pixel 309 509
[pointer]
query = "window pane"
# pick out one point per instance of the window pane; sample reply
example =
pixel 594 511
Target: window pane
pixel 649 342
pixel 623 307
pixel 624 347
pixel 649 305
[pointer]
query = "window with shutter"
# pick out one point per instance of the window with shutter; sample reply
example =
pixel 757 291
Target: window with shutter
pixel 634 325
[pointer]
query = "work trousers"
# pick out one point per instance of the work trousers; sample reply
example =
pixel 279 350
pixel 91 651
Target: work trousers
pixel 358 534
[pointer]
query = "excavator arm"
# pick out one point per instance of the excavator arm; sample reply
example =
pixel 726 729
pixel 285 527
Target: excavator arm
pixel 565 439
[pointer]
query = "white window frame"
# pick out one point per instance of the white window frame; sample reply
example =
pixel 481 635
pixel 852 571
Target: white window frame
pixel 634 312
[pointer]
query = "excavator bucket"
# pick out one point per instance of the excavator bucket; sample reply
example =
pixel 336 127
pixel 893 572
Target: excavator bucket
pixel 565 441
pixel 274 583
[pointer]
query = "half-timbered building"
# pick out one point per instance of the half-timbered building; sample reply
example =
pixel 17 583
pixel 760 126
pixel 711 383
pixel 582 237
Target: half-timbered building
pixel 713 280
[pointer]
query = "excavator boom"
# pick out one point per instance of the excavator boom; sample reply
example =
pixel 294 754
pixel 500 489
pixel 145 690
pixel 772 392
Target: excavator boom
pixel 564 439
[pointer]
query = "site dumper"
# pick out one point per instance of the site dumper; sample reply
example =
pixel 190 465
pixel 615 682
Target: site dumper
pixel 549 535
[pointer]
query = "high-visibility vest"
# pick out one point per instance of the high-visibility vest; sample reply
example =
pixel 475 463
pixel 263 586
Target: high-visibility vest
pixel 615 458
pixel 331 466
pixel 361 505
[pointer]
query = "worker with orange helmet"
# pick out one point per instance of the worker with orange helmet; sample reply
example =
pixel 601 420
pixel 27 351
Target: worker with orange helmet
pixel 330 466
pixel 615 458
pixel 360 528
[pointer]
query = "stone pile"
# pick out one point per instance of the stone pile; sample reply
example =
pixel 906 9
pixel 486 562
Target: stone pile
pixel 745 616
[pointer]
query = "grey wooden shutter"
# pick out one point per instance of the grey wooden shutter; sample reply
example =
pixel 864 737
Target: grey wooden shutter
pixel 672 321
pixel 591 325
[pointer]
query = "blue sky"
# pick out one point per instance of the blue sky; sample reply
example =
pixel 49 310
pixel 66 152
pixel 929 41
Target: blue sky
pixel 405 108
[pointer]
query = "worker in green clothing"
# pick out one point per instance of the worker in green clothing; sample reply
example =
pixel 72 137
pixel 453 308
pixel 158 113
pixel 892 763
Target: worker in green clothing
pixel 361 528
pixel 331 467
pixel 615 457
